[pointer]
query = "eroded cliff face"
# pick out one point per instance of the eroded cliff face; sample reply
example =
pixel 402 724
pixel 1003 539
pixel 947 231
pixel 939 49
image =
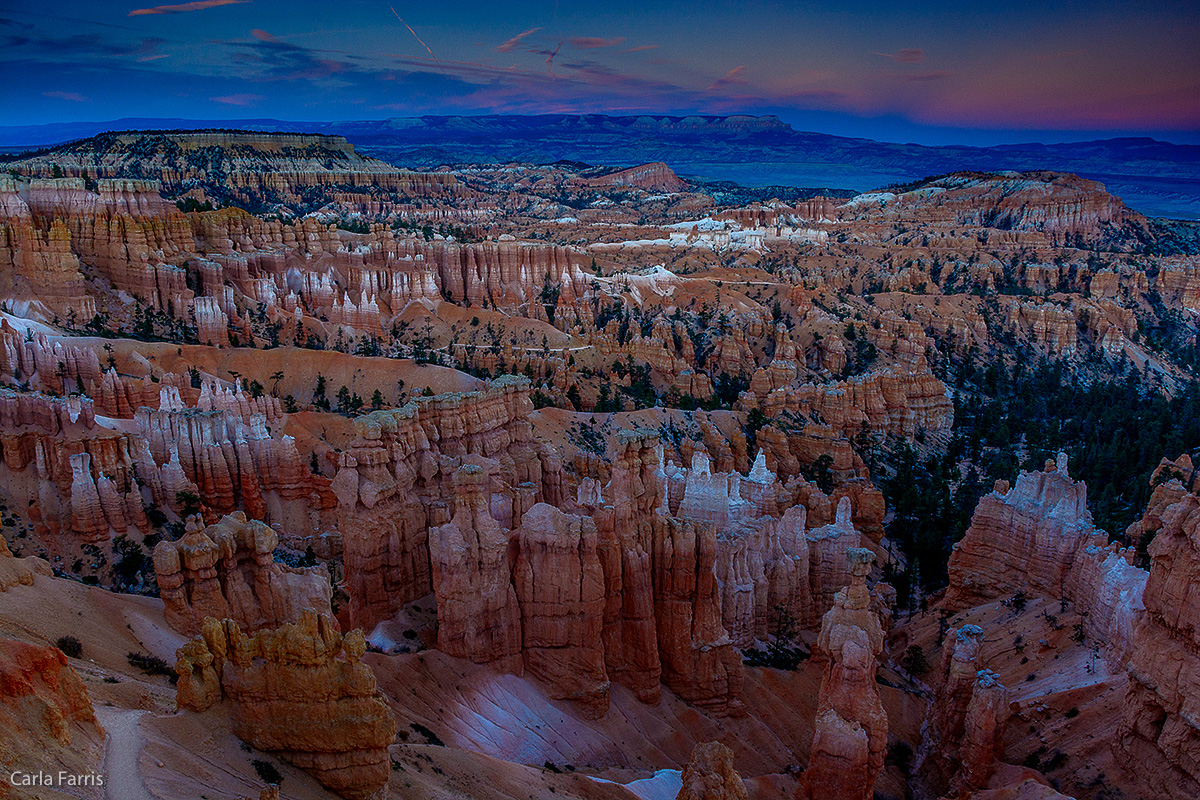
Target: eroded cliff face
pixel 1038 539
pixel 1022 539
pixel 46 715
pixel 228 571
pixel 1037 535
pixel 396 480
pixel 1159 722
pixel 300 691
pixel 248 166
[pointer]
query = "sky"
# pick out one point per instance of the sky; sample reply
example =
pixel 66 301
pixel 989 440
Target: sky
pixel 927 71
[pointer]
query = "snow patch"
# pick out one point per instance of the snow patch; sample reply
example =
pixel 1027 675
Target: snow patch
pixel 868 198
pixel 665 785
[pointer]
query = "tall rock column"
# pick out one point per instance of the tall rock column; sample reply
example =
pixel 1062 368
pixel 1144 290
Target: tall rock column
pixel 963 736
pixel 699 662
pixel 478 614
pixel 709 775
pixel 560 587
pixel 626 532
pixel 850 740
pixel 983 733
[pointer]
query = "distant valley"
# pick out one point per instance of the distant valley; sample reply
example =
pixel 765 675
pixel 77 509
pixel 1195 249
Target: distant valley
pixel 1154 177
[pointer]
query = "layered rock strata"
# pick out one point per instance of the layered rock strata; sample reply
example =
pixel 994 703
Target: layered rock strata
pixel 228 571
pixel 1161 714
pixel 962 739
pixel 709 775
pixel 850 739
pixel 300 691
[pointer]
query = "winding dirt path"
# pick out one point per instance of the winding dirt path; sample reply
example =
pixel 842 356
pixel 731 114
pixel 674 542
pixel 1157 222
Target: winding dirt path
pixel 122 780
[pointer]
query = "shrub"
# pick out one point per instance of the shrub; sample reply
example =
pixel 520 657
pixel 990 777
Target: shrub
pixel 267 771
pixel 151 665
pixel 430 736
pixel 1018 602
pixel 70 646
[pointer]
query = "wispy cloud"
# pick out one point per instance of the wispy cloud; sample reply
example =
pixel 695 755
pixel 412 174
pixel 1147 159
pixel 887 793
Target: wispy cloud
pixel 909 55
pixel 238 99
pixel 731 78
pixel 925 77
pixel 511 44
pixel 595 42
pixel 199 5
pixel 274 59
pixel 642 47
pixel 74 97
pixel 83 45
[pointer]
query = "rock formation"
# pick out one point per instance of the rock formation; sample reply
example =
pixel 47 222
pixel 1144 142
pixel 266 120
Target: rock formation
pixel 46 716
pixel 982 746
pixel 560 588
pixel 851 727
pixel 300 691
pixel 1159 722
pixel 1038 539
pixel 228 571
pixel 1022 540
pixel 396 481
pixel 19 571
pixel 478 614
pixel 709 775
pixel 962 739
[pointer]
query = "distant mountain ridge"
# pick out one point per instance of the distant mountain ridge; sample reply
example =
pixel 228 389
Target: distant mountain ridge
pixel 1159 178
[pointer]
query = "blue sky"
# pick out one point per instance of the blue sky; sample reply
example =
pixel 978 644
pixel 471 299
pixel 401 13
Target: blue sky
pixel 929 71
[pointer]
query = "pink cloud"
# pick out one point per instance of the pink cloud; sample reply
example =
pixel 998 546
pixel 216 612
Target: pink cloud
pixel 640 48
pixel 731 78
pixel 262 36
pixel 511 44
pixel 925 77
pixel 909 55
pixel 198 5
pixel 594 42
pixel 74 97
pixel 238 99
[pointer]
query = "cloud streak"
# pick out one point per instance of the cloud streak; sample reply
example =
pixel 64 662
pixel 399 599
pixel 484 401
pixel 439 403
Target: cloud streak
pixel 241 100
pixel 731 78
pixel 74 97
pixel 182 8
pixel 595 42
pixel 511 44
pixel 909 55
